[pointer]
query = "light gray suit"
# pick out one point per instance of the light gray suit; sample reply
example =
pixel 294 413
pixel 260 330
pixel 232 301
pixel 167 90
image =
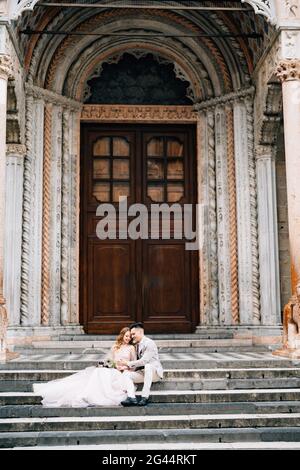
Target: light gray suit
pixel 146 369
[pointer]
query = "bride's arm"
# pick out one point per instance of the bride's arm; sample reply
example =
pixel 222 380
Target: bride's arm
pixel 133 354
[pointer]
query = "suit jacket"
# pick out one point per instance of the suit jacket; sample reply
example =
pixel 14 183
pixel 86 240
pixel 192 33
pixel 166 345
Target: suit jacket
pixel 148 354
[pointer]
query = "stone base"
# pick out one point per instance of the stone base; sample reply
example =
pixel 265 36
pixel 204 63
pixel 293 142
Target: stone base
pixel 262 335
pixel 8 356
pixel 26 335
pixel 288 353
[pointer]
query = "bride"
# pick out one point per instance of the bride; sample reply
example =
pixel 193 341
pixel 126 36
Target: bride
pixel 93 386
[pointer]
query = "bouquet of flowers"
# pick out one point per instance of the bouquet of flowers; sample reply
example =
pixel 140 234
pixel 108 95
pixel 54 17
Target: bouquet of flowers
pixel 108 363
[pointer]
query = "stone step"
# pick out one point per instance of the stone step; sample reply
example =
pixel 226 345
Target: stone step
pixel 175 446
pixel 149 422
pixel 154 409
pixel 149 436
pixel 181 396
pixel 170 382
pixel 101 352
pixel 179 374
pixel 166 343
pixel 205 384
pixel 180 361
pixel 211 334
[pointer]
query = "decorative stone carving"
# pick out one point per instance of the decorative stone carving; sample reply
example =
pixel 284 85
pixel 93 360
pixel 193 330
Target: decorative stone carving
pixel 3 7
pixel 46 215
pixel 27 201
pixel 264 7
pixel 74 169
pixel 16 150
pixel 269 123
pixel 290 44
pixel 22 5
pixel 223 218
pixel 55 223
pixel 232 217
pixel 165 73
pixel 52 97
pixel 15 154
pixel 288 70
pixel 291 8
pixel 65 226
pixel 226 98
pixel 32 215
pixel 6 66
pixel 246 213
pixel 138 113
pixel 253 213
pixel 212 218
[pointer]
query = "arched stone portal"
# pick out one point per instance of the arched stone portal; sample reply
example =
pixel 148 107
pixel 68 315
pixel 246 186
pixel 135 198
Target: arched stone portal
pixel 205 51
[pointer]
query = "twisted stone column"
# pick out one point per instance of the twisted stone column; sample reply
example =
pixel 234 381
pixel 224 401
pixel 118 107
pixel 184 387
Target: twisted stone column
pixel 5 71
pixel 13 225
pixel 46 216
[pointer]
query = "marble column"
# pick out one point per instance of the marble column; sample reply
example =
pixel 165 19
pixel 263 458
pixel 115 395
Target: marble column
pixel 5 71
pixel 70 218
pixel 55 222
pixel 32 215
pixel 223 217
pixel 207 197
pixel 289 73
pixel 268 235
pixel 13 230
pixel 248 270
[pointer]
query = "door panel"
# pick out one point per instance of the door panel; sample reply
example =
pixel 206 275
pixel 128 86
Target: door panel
pixel 166 281
pixel 111 279
pixel 122 281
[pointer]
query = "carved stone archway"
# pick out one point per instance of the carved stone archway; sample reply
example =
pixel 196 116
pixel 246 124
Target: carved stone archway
pixel 261 7
pixel 226 166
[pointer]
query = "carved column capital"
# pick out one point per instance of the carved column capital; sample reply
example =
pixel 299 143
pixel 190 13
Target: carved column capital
pixel 288 70
pixel 6 66
pixel 15 150
pixel 265 152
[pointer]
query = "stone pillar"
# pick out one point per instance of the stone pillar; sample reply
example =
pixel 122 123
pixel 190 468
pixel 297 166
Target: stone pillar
pixel 268 236
pixel 288 72
pixel 52 198
pixel 13 230
pixel 70 218
pixel 5 70
pixel 223 217
pixel 248 265
pixel 209 304
pixel 32 215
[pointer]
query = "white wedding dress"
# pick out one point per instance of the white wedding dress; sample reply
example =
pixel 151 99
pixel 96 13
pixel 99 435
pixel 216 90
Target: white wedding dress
pixel 93 386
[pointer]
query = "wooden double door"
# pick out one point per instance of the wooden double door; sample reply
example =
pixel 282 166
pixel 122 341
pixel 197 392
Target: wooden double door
pixel 152 279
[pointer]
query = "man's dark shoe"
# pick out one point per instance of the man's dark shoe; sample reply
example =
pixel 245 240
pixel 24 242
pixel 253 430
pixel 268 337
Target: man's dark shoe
pixel 129 402
pixel 143 401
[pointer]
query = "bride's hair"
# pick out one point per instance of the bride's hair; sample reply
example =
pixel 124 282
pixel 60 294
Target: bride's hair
pixel 120 339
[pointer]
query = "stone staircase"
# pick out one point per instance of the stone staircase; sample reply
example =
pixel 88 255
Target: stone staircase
pixel 217 393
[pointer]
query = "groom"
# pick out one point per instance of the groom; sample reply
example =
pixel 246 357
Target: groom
pixel 146 369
